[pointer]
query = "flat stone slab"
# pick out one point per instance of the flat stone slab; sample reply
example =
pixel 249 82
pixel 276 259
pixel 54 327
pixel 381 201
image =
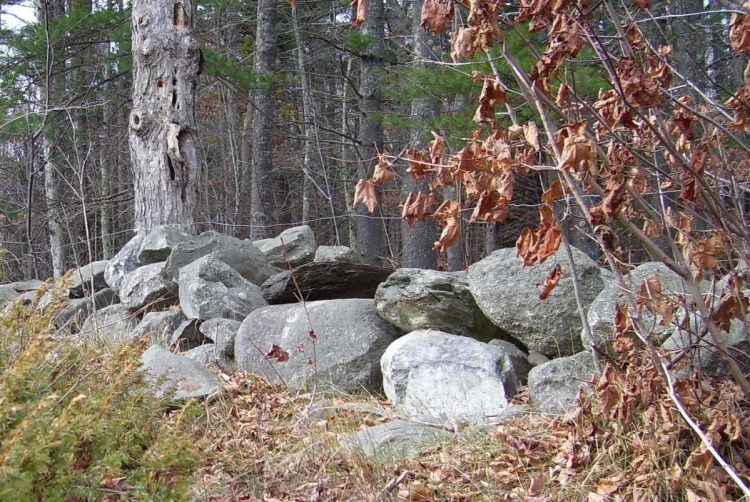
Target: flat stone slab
pixel 394 440
pixel 178 377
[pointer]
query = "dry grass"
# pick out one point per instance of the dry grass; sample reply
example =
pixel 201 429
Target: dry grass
pixel 625 441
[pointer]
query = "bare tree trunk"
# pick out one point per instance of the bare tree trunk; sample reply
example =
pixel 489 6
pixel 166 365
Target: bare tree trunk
pixel 419 238
pixel 370 231
pixel 166 63
pixel 54 209
pixel 349 236
pixel 261 190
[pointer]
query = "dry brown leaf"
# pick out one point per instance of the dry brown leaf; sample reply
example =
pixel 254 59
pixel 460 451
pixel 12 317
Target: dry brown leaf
pixel 650 296
pixel 622 320
pixel 359 12
pixel 731 306
pixel 420 493
pixel 435 14
pixel 492 206
pixel 554 192
pixel 417 206
pixel 531 134
pixel 535 246
pixel 651 229
pixel 577 149
pixel 643 4
pixel 705 253
pixel 436 148
pixel 383 171
pixel 739 32
pixel 550 282
pixel 536 485
pixel 365 193
pixel 448 215
pixel 639 88
pixel 492 94
pixel 610 485
pixel 277 353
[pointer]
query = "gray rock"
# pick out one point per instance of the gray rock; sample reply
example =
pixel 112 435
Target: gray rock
pixel 178 377
pixel 124 262
pixel 414 298
pixel 703 355
pixel 601 312
pixel 186 336
pixel 26 286
pixel 112 324
pixel 80 284
pixel 324 281
pixel 394 440
pixel 160 325
pixel 158 243
pixel 553 386
pixel 508 294
pixel 144 288
pixel 223 333
pixel 337 253
pixel 437 377
pixel 241 255
pixel 210 288
pixel 293 246
pixel 351 338
pixel 7 293
pixel 72 317
pixel 206 356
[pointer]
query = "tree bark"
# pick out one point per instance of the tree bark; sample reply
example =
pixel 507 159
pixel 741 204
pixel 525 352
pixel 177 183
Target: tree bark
pixel 261 190
pixel 419 238
pixel 370 231
pixel 166 62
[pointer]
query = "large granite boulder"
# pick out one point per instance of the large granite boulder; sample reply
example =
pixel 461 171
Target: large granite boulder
pixel 393 441
pixel 158 243
pixel 437 377
pixel 71 317
pixel 145 288
pixel 207 356
pixel 553 386
pixel 124 262
pixel 415 298
pixel 210 288
pixel 26 286
pixel 178 377
pixel 81 279
pixel 508 294
pixel 241 255
pixel 349 339
pixel 696 354
pixel 111 325
pixel 159 325
pixel 337 253
pixel 293 246
pixel 324 281
pixel 223 333
pixel 601 313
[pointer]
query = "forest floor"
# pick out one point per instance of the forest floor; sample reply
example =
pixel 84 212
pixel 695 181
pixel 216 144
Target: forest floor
pixel 625 441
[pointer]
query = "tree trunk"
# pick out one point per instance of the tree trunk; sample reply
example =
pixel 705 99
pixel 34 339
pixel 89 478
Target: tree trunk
pixel 370 231
pixel 261 190
pixel 418 239
pixel 166 61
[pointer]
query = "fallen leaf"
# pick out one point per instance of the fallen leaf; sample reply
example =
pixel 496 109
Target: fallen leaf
pixel 277 353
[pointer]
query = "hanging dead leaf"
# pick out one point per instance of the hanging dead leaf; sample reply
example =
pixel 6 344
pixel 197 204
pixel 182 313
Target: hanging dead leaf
pixel 650 296
pixel 739 32
pixel 491 207
pixel 731 306
pixel 651 229
pixel 531 134
pixel 635 37
pixel 365 193
pixel 436 148
pixel 577 149
pixel 417 206
pixel 435 14
pixel 492 94
pixel 359 12
pixel 554 192
pixel 705 253
pixel 448 215
pixel 277 353
pixel 550 282
pixel 535 246
pixel 418 167
pixel 643 4
pixel 622 320
pixel 383 171
pixel 639 88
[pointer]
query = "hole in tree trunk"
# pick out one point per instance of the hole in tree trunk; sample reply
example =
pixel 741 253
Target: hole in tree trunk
pixel 171 168
pixel 180 16
pixel 174 91
pixel 160 83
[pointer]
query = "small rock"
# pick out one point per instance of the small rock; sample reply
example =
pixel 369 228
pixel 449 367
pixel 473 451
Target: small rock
pixel 294 246
pixel 81 278
pixel 337 253
pixel 178 377
pixel 186 336
pixel 158 243
pixel 144 288
pixel 223 333
pixel 553 386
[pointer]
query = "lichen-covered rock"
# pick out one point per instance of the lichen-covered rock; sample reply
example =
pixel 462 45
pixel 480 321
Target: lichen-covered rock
pixel 111 325
pixel 394 440
pixel 553 386
pixel 178 377
pixel 438 377
pixel 211 288
pixel 159 325
pixel 414 298
pixel 223 333
pixel 337 253
pixel 81 279
pixel 145 288
pixel 350 338
pixel 124 262
pixel 293 246
pixel 508 294
pixel 158 243
pixel 72 317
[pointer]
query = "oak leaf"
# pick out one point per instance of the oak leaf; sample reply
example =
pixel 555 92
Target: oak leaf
pixel 448 216
pixel 365 193
pixel 417 206
pixel 577 149
pixel 550 282
pixel 359 12
pixel 435 14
